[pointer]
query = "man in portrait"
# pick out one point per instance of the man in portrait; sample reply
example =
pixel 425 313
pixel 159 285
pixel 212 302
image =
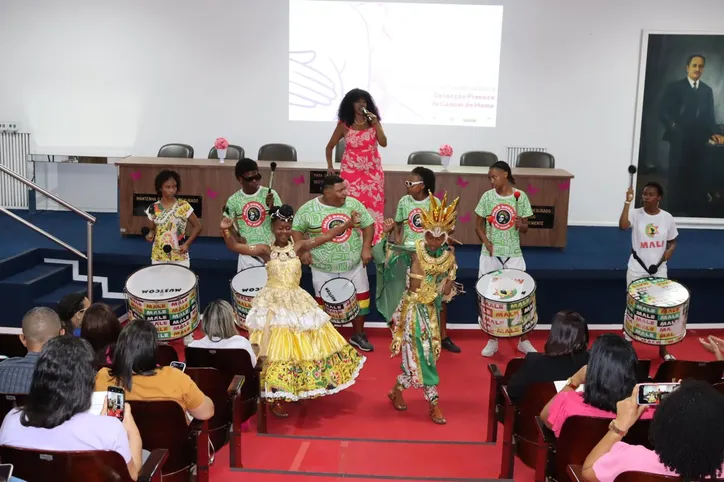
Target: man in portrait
pixel 687 113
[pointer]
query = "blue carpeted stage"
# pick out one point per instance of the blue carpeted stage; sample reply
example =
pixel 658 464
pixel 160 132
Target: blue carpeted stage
pixel 588 276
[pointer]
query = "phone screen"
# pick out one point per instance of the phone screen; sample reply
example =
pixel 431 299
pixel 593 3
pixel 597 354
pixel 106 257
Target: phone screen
pixel 654 393
pixel 116 402
pixel 6 471
pixel 178 364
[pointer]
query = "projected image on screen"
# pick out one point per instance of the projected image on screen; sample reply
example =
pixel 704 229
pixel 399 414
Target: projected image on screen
pixel 423 63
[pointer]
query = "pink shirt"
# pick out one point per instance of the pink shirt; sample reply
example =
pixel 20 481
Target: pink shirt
pixel 569 403
pixel 627 458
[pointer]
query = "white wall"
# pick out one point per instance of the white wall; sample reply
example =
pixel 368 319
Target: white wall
pixel 135 74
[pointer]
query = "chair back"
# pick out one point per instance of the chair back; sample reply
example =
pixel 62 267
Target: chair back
pixel 230 362
pixel 535 159
pixel 580 434
pixel 339 150
pixel 213 383
pixel 277 152
pixel 645 477
pixel 689 370
pixel 525 426
pixel 184 151
pixel 478 158
pixel 425 158
pixel 8 401
pixel 232 152
pixel 165 354
pixel 11 346
pixel 719 387
pixel 47 465
pixel 643 368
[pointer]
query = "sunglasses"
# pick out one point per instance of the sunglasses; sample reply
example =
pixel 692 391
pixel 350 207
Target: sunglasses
pixel 252 178
pixel 413 183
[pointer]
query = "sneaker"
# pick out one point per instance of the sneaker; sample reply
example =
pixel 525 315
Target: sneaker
pixel 628 338
pixel 361 342
pixel 525 346
pixel 448 345
pixel 491 348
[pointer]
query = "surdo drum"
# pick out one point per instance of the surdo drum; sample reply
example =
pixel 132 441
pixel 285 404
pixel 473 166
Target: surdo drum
pixel 244 287
pixel 339 299
pixel 656 311
pixel 506 302
pixel 167 296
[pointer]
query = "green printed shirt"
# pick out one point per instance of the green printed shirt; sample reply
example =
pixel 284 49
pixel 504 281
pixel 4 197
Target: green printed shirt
pixel 409 213
pixel 501 232
pixel 250 214
pixel 345 251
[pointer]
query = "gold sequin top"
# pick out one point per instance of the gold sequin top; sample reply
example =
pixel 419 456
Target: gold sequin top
pixel 284 269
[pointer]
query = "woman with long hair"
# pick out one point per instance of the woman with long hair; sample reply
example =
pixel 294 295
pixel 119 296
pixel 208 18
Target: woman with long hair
pixel 359 125
pixel 56 413
pixel 101 328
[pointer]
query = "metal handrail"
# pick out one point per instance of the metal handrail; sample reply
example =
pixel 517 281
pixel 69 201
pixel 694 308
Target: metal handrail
pixel 89 219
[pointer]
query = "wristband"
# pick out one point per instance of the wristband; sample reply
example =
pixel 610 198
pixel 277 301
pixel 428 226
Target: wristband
pixel 613 428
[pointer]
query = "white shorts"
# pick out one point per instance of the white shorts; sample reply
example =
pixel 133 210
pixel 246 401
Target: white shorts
pixel 248 262
pixel 494 263
pixel 358 277
pixel 632 274
pixel 186 263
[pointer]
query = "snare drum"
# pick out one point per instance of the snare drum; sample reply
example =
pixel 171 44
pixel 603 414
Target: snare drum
pixel 166 295
pixel 506 303
pixel 244 288
pixel 656 311
pixel 340 301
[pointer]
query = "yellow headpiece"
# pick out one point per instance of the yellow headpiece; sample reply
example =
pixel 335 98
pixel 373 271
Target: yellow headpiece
pixel 440 218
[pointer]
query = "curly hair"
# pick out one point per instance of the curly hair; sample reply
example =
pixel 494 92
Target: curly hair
pixel 346 111
pixel 164 176
pixel 611 372
pixel 686 431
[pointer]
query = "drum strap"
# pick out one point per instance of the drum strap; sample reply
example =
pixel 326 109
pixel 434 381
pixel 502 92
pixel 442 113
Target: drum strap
pixel 639 260
pixel 503 262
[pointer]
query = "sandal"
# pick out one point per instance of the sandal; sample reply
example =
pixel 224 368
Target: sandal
pixel 436 415
pixel 277 408
pixel 397 401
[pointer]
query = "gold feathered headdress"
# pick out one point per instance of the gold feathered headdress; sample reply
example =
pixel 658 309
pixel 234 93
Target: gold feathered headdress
pixel 440 218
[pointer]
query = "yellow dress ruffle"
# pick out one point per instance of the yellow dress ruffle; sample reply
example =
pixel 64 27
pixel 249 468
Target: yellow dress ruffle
pixel 305 356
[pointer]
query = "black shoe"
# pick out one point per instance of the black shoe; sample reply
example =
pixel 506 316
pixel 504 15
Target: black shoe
pixel 448 344
pixel 361 342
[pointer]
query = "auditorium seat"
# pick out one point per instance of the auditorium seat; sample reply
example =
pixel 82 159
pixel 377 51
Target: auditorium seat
pixel 535 159
pixel 424 158
pixel 675 370
pixel 575 474
pixel 478 158
pixel 232 152
pixel 339 151
pixel 277 152
pixel 11 346
pixel 165 355
pixel 184 151
pixel 8 401
pixel 496 399
pixel 88 466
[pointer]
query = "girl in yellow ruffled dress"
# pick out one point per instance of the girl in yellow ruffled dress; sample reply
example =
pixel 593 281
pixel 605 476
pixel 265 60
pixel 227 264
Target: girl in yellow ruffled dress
pixel 305 356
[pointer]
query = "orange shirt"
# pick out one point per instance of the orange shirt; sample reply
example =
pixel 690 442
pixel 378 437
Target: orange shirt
pixel 167 384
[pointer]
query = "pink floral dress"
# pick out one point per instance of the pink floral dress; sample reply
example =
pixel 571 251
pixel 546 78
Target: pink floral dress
pixel 362 169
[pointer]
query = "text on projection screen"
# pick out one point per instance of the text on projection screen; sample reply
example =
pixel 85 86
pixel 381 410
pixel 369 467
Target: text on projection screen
pixel 423 63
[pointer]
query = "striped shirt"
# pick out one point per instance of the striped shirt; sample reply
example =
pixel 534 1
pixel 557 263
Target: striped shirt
pixel 17 373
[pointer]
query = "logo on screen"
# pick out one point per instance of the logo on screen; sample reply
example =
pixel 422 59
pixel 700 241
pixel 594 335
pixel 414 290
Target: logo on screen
pixel 414 220
pixel 503 216
pixel 253 214
pixel 334 220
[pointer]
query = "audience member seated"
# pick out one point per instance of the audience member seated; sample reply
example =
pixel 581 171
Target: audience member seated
pixel 39 325
pixel 101 328
pixel 135 369
pixel 566 351
pixel 714 345
pixel 686 433
pixel 609 377
pixel 56 413
pixel 71 310
pixel 220 329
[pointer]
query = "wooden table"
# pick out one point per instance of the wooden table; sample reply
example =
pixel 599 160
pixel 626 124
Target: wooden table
pixel 207 184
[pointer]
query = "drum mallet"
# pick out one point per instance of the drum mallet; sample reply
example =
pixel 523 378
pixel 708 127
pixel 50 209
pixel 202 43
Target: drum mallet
pixel 631 172
pixel 516 195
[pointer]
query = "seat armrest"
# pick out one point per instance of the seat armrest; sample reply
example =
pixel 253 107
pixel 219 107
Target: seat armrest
pixel 495 371
pixel 575 472
pixel 234 388
pixel 151 468
pixel 197 426
pixel 545 435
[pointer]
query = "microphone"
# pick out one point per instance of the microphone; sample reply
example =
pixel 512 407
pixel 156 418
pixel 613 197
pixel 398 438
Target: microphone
pixel 631 172
pixel 367 115
pixel 167 249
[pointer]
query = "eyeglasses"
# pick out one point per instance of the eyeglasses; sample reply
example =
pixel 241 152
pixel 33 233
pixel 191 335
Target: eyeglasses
pixel 257 177
pixel 413 183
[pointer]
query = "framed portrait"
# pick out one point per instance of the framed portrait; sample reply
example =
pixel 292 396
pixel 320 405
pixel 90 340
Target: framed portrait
pixel 679 134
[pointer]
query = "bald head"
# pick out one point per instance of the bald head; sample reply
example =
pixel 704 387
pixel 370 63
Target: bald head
pixel 39 325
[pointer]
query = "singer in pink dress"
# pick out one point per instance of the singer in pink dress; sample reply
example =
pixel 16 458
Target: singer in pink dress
pixel 359 124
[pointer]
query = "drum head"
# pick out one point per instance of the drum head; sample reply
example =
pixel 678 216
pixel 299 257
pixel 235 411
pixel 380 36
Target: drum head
pixel 249 281
pixel 337 290
pixel 160 282
pixel 659 292
pixel 505 285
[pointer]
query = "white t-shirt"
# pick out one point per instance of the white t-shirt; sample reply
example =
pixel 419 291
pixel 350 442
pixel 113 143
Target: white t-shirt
pixel 235 342
pixel 649 235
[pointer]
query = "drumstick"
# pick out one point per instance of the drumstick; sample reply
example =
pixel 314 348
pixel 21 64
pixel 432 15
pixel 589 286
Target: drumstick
pixel 451 239
pixel 273 166
pixel 631 172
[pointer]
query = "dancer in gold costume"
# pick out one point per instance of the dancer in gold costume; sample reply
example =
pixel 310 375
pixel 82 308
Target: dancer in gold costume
pixel 305 355
pixel 415 324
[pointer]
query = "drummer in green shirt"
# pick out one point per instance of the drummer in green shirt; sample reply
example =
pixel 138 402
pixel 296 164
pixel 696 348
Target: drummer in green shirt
pixel 249 208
